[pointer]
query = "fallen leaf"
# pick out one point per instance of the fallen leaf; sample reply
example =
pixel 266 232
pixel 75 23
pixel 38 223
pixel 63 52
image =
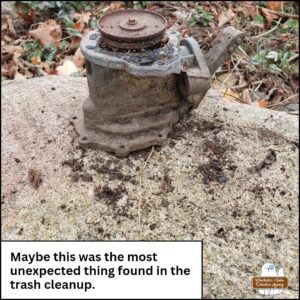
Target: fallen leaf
pixel 67 68
pixel 7 25
pixel 82 20
pixel 106 9
pixel 248 11
pixel 74 44
pixel 260 103
pixel 226 80
pixel 225 17
pixel 28 16
pixel 11 48
pixel 85 17
pixel 45 66
pixel 269 16
pixel 19 76
pixel 16 51
pixel 116 5
pixel 78 59
pixel 231 95
pixel 47 33
pixel 274 5
pixel 223 84
pixel 36 60
pixel 246 97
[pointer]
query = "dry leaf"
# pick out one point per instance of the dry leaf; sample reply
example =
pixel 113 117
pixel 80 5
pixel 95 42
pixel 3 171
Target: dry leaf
pixel 74 44
pixel 78 59
pixel 85 17
pixel 67 68
pixel 269 16
pixel 223 84
pixel 225 17
pixel 260 103
pixel 226 80
pixel 246 97
pixel 16 52
pixel 106 9
pixel 79 25
pixel 274 5
pixel 29 17
pixel 7 24
pixel 82 20
pixel 248 11
pixel 36 60
pixel 45 67
pixel 19 76
pixel 47 33
pixel 11 48
pixel 116 5
pixel 231 95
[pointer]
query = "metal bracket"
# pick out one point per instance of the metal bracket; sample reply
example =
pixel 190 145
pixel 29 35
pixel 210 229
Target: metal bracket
pixel 223 46
pixel 195 78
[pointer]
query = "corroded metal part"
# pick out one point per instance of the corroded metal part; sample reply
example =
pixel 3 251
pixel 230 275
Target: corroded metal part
pixel 223 46
pixel 132 28
pixel 136 97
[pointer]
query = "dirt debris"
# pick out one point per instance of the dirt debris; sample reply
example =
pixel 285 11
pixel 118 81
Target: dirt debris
pixel 269 160
pixel 109 195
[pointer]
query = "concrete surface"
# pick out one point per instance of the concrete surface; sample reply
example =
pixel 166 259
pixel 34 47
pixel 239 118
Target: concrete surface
pixel 228 176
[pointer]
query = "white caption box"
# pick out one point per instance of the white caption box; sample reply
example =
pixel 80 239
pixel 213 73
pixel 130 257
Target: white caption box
pixel 167 269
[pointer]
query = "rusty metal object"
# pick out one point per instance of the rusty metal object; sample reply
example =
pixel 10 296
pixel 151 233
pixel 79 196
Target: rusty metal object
pixel 132 29
pixel 136 98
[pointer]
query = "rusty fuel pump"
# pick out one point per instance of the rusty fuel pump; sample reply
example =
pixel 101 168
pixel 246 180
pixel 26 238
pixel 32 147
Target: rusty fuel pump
pixel 142 78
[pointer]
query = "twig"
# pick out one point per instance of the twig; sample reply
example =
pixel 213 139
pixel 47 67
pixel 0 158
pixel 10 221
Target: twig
pixel 227 77
pixel 284 101
pixel 141 174
pixel 293 57
pixel 243 51
pixel 31 66
pixel 269 31
pixel 239 87
pixel 176 7
pixel 280 13
pixel 146 161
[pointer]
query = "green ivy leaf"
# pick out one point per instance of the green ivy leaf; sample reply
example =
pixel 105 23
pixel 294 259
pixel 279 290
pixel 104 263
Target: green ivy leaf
pixel 49 52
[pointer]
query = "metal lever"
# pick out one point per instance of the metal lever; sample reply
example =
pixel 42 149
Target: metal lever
pixel 223 46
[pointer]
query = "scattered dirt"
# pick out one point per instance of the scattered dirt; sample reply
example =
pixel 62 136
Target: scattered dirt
pixel 86 177
pixel 75 177
pixel 187 124
pixel 114 173
pixel 269 160
pixel 35 178
pixel 74 164
pixel 216 169
pixel 109 195
pixel 212 171
pixel 166 185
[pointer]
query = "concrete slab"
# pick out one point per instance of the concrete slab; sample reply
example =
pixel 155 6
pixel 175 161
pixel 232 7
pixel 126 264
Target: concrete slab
pixel 228 176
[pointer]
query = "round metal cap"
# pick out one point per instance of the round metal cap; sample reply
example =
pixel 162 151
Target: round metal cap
pixel 132 28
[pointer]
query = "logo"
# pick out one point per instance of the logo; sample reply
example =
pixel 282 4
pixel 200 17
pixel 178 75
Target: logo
pixel 270 282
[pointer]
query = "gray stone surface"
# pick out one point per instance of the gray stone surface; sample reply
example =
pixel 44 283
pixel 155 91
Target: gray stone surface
pixel 202 185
